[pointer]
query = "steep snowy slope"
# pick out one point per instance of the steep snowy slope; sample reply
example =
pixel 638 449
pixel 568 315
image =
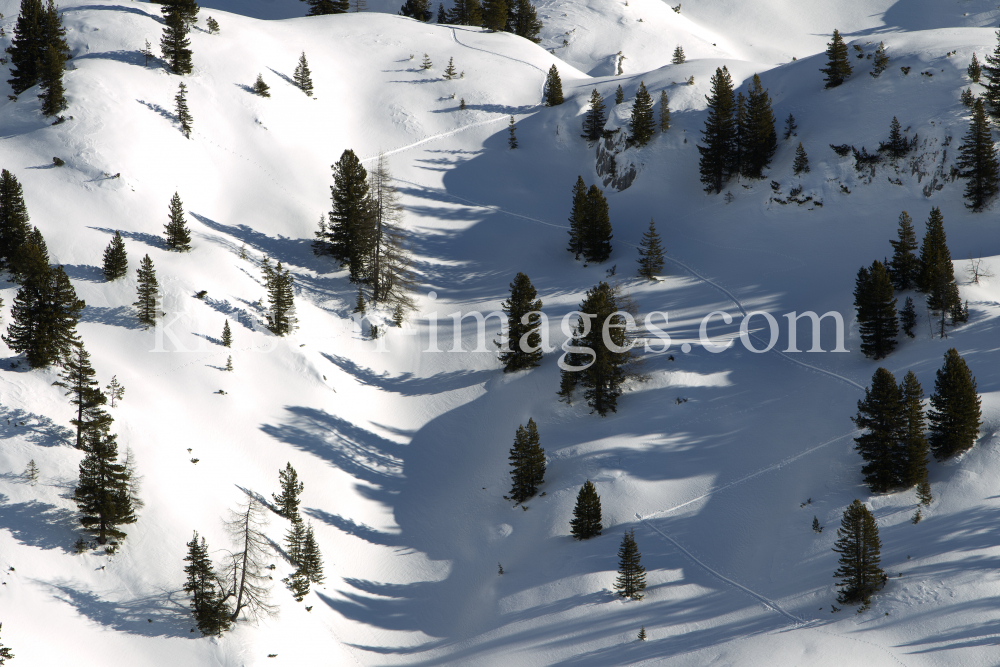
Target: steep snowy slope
pixel 403 451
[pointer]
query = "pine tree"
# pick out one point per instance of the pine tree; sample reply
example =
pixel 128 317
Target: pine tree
pixel 913 442
pixel 908 317
pixel 102 494
pixel 838 67
pixel 578 218
pixel 897 146
pixel 281 300
pixel 210 612
pixel 594 119
pixel 881 415
pixel 527 462
pixel 790 127
pixel 597 227
pixel 44 317
pixel 417 9
pixel 295 539
pixel 977 160
pixel 442 16
pixel 176 231
pixel 991 70
pixel 298 583
pixel 642 634
pixel 924 492
pixel 641 123
pixel 213 26
pixel 678 58
pixel 880 62
pixel 326 7
pixel 522 20
pixel 466 12
pixel 291 487
pixel 31 473
pixel 586 522
pixel 553 88
pixel 53 93
pixel 650 253
pixel 78 378
pixel 761 141
pixel 975 70
pixel 738 155
pixel 801 164
pixel 937 274
pixel 904 266
pixel 115 259
pixel 183 113
pixel 350 219
pixel 631 581
pixel 955 415
pixel 664 111
pixel 619 95
pixel 261 88
pixel 312 560
pixel 227 335
pixel 5 653
pixel 719 134
pixel 816 527
pixel 523 310
pixel 229 363
pixel 495 15
pixel 148 292
pixel 15 227
pixel 147 53
pixel 426 64
pixel 859 546
pixel 512 139
pixel 116 390
pixel 450 71
pixel 876 311
pixel 302 76
pixel 26 47
pixel 175 44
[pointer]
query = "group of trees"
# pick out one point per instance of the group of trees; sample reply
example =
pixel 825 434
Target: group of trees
pixel 641 121
pixel 515 16
pixel 38 54
pixel 300 541
pixel 739 134
pixel 589 224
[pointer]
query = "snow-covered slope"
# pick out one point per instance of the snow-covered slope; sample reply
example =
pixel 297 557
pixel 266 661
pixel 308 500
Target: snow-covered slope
pixel 404 452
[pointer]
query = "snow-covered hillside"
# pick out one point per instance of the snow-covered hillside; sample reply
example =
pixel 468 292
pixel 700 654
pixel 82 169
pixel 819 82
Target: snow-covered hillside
pixel 404 452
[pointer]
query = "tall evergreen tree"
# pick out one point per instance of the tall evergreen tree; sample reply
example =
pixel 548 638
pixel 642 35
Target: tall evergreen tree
pixel 876 311
pixel 495 15
pixel 227 335
pixel 523 310
pixel 15 227
pixel 937 274
pixel 102 493
pixel 442 15
pixel 26 47
pixel 302 76
pixel 597 227
pixel 44 317
pixel 417 9
pixel 210 613
pixel 977 160
pixel 295 539
pixel 678 57
pixel 736 158
pixel 801 164
pixel 838 66
pixel 578 218
pixel 641 122
pixel 115 259
pixel 466 12
pixel 913 441
pixel 175 44
pixel 527 462
pixel 955 415
pixel 719 134
pixel 881 415
pixel 291 487
pixel 904 267
pixel 148 292
pixel 586 522
pixel 281 300
pixel 650 253
pixel 859 547
pixel 553 88
pixel 183 113
pixel 897 146
pixel 176 230
pixel 631 581
pixel 880 62
pixel 975 69
pixel 79 380
pixel 350 219
pixel 53 94
pixel 991 70
pixel 523 20
pixel 312 560
pixel 761 141
pixel 594 119
pixel 664 111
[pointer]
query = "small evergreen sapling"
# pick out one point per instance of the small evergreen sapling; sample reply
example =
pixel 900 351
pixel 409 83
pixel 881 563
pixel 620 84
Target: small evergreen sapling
pixel 5 653
pixel 512 139
pixel 183 113
pixel 298 584
pixel 975 69
pixel 229 363
pixel 880 62
pixel 631 581
pixel 450 71
pixel 116 390
pixel 586 521
pixel 31 473
pixel 146 53
pixel 642 634
pixel 426 64
pixel 115 259
pixel 461 104
pixel 650 253
pixel 261 88
pixel 801 164
pixel 816 527
pixel 678 57
pixel 213 26
pixel 227 335
pixel 619 95
pixel 790 127
pixel 527 461
pixel 302 76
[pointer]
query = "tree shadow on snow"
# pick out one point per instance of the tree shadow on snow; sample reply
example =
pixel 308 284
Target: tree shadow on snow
pixel 407 384
pixel 84 273
pixel 284 77
pixel 119 316
pixel 163 614
pixel 160 110
pixel 37 429
pixel 360 530
pixel 114 8
pixel 129 57
pixel 151 240
pixel 37 524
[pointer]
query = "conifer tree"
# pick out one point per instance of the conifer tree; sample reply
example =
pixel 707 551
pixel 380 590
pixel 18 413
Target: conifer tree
pixel 210 613
pixel 213 26
pixel 227 335
pixel 897 146
pixel 913 442
pixel 148 292
pixel 79 380
pixel 302 76
pixel 512 139
pixel 619 95
pixel 761 141
pixel 495 15
pixel 15 227
pixel 641 122
pixel 288 500
pixel 351 214
pixel 244 575
pixel 790 127
pixel 36 239
pixel 904 267
pixel 650 253
pixel 26 47
pixel 977 160
pixel 523 310
pixel 955 415
pixel 176 231
pixel 975 69
pixel 801 164
pixel 678 58
pixel 312 560
pixel 924 492
pixel 183 113
pixel 664 111
pixel 937 274
pixel 50 73
pixel 326 7
pixel 597 227
pixel 859 547
pixel 527 462
pixel 442 16
pixel 229 363
pixel 908 317
pixel 417 9
pixel 881 415
pixel 876 311
pixel 426 64
pixel 880 61
pixel 816 527
pixel 553 88
pixel 31 472
pixel 281 300
pixel 736 158
pixel 450 71
pixel 5 653
pixel 298 584
pixel 295 539
pixel 115 259
pixel 522 20
pixel 261 88
pixel 838 67
pixel 719 134
pixel 594 119
pixel 102 493
pixel 44 317
pixel 115 390
pixel 991 70
pixel 388 266
pixel 586 522
pixel 466 12
pixel 578 218
pixel 175 43
pixel 631 581
pixel 642 634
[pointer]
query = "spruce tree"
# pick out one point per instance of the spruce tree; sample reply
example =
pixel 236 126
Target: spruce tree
pixel 26 47
pixel 859 547
pixel 664 111
pixel 937 274
pixel 450 72
pixel 442 16
pixel 281 300
pixel 586 522
pixel 176 231
pixel 44 317
pixel 790 127
pixel 578 218
pixel 213 26
pixel 261 88
pixel 227 335
pixel 897 146
pixel 298 584
pixel 975 69
pixel 678 57
pixel 466 12
pixel 115 259
pixel 148 292
pixel 523 310
pixel 102 493
pixel 417 9
pixel 312 560
pixel 977 160
pixel 295 539
pixel 761 141
pixel 597 227
pixel 876 311
pixel 527 461
pixel 594 119
pixel 288 500
pixel 78 378
pixel 619 95
pixel 522 20
pixel 641 122
pixel 881 416
pixel 210 612
pixel 991 71
pixel 326 7
pixel 880 61
pixel 631 581
pixel 302 76
pixel 53 94
pixel 175 43
pixel 426 64
pixel 719 134
pixel 908 317
pixel 650 253
pixel 183 113
pixel 801 164
pixel 512 139
pixel 736 158
pixel 955 415
pixel 351 215
pixel 553 88
pixel 495 15
pixel 15 227
pixel 913 441
pixel 904 267
pixel 838 67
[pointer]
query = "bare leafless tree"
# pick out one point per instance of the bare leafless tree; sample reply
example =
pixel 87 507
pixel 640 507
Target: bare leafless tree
pixel 390 275
pixel 977 268
pixel 243 577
